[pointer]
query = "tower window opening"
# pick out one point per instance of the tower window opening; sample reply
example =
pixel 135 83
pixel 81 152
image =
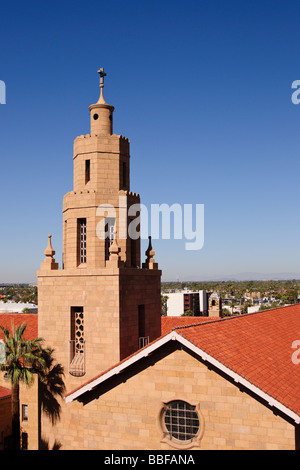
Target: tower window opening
pixel 77 343
pixel 24 412
pixel 24 441
pixel 87 171
pixel 95 116
pixel 143 339
pixel 109 234
pixel 81 240
pixel 124 176
pixel 133 250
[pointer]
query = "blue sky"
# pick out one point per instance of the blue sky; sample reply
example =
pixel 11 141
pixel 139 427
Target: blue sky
pixel 203 91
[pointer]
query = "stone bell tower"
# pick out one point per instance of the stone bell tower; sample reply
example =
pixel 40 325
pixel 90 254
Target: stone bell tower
pixel 104 303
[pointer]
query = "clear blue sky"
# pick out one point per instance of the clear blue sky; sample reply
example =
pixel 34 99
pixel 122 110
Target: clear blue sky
pixel 203 91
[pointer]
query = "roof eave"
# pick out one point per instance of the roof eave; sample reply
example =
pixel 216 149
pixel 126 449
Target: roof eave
pixel 174 335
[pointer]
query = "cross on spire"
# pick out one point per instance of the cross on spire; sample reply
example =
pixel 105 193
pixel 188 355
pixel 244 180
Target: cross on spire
pixel 102 75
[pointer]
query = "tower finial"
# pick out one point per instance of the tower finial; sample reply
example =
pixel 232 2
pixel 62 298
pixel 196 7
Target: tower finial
pixel 150 261
pixel 102 75
pixel 101 112
pixel 49 261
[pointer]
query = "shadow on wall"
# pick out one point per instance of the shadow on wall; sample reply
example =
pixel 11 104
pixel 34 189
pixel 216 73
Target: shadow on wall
pixel 51 387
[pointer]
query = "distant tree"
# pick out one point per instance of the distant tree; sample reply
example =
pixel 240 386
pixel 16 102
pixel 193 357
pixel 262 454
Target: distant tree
pixel 26 310
pixel 164 306
pixel 268 306
pixel 246 305
pixel 226 312
pixel 188 313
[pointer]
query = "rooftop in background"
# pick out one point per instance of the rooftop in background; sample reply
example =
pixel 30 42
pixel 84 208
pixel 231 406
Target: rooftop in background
pixel 169 323
pixel 16 319
pixel 17 307
pixel 4 392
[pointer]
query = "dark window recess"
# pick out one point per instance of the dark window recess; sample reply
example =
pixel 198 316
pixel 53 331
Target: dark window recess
pixel 95 116
pixel 124 175
pixel 142 321
pixel 24 441
pixel 87 171
pixel 133 248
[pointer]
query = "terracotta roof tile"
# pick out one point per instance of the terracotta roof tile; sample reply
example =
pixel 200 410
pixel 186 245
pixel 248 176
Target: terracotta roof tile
pixel 169 323
pixel 257 347
pixel 16 319
pixel 4 392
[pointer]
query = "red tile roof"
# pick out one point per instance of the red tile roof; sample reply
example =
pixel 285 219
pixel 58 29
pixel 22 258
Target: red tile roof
pixel 4 392
pixel 16 319
pixel 256 348
pixel 169 323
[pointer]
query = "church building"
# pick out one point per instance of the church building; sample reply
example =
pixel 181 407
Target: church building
pixel 135 380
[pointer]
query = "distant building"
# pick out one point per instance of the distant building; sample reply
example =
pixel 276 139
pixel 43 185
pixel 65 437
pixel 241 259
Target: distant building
pixel 180 302
pixel 215 305
pixel 17 307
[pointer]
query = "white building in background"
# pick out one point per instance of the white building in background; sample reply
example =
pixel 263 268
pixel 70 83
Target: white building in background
pixel 17 307
pixel 180 302
pixel 253 309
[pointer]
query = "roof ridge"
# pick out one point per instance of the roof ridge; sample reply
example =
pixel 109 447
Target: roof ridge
pixel 232 317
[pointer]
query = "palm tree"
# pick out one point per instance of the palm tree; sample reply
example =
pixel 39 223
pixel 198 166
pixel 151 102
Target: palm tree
pixel 24 359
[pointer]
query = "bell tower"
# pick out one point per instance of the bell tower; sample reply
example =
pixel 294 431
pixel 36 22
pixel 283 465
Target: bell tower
pixel 101 166
pixel 103 304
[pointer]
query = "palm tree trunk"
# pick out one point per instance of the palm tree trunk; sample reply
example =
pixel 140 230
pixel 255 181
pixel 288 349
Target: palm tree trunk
pixel 15 409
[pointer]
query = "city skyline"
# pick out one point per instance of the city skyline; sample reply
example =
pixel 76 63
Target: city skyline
pixel 204 96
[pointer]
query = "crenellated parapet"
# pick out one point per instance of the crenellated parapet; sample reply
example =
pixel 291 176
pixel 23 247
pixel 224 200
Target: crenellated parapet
pixel 88 143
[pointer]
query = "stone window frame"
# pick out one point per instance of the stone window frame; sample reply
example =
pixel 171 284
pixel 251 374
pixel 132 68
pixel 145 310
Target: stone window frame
pixel 171 441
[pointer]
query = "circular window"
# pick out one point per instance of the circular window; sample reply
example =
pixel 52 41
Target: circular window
pixel 181 421
pixel 95 116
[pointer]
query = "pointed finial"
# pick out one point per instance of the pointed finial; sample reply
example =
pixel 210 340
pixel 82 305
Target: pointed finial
pixel 149 252
pixel 49 250
pixel 150 261
pixel 114 260
pixel 114 248
pixel 49 261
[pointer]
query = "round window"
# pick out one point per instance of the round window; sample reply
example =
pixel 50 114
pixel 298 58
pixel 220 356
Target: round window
pixel 181 421
pixel 96 116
